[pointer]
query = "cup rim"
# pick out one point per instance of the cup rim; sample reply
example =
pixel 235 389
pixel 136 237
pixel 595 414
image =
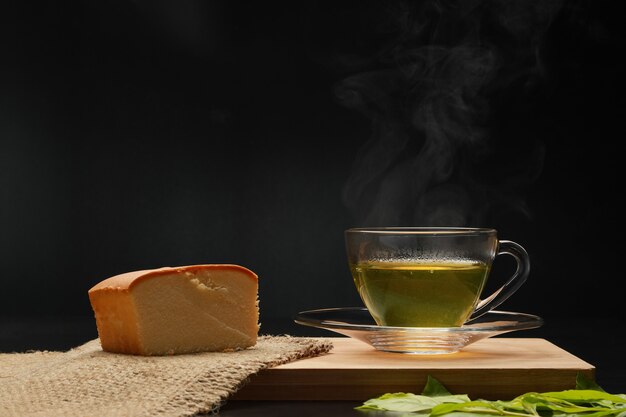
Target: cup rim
pixel 424 230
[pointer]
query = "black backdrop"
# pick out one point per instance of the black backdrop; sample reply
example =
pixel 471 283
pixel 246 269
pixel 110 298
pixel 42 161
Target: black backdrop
pixel 138 134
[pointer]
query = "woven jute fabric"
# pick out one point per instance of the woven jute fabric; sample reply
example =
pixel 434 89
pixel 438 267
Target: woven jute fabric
pixel 87 381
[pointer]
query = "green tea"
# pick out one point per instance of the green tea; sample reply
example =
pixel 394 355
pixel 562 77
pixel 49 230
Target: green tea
pixel 420 294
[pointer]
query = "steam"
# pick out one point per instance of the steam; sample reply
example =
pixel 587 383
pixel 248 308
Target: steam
pixel 430 159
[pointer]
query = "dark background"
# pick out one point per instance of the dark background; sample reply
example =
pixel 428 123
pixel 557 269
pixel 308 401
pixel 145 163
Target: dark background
pixel 138 134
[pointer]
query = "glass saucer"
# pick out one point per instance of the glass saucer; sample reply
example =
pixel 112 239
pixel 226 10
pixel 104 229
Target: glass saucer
pixel 357 323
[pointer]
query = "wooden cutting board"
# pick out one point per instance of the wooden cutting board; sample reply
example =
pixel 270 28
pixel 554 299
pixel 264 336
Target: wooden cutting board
pixel 494 369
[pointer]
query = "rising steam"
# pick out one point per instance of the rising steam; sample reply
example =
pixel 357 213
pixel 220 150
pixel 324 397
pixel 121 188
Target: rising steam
pixel 430 96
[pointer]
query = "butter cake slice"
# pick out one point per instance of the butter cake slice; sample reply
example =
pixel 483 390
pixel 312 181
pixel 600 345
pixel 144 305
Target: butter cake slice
pixel 172 310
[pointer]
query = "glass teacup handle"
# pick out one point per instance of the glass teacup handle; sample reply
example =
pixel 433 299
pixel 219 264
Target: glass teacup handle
pixel 506 247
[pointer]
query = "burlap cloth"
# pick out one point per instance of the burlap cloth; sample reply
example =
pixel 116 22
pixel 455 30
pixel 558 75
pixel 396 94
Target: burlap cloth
pixel 86 381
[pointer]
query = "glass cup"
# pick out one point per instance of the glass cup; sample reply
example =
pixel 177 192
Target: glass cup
pixel 429 276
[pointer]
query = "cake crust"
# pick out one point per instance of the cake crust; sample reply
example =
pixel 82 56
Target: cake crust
pixel 127 280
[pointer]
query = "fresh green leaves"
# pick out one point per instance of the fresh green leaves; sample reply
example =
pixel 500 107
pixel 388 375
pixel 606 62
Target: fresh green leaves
pixel 407 402
pixel 434 394
pixel 588 399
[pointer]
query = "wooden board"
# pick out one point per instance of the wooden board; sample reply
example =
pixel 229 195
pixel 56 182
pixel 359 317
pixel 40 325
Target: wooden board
pixel 495 368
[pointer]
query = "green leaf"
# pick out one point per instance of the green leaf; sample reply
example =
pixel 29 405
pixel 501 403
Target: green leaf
pixel 406 402
pixel 582 382
pixel 585 396
pixel 460 414
pixel 529 406
pixel 399 401
pixel 434 388
pixel 479 407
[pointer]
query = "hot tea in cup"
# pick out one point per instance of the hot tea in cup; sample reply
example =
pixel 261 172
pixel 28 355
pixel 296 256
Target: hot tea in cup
pixel 429 277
